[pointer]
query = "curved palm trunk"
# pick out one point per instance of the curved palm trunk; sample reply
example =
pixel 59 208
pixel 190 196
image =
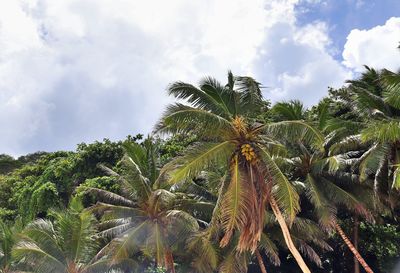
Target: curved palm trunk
pixel 286 235
pixel 355 240
pixel 260 262
pixel 353 249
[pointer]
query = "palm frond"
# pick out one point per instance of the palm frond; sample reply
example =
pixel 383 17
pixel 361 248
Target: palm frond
pixel 291 110
pixel 270 248
pixel 130 241
pixel 308 251
pixel 181 119
pixel 198 158
pixel 323 115
pixel 294 130
pixel 251 100
pixel 235 203
pixel 208 97
pixel 225 97
pixel 284 192
pixel 110 197
pixel 314 192
pixel 343 197
pixel 391 94
pixel 368 102
pixel 206 256
pixel 396 178
pixel 116 230
pixel 369 162
pixel 105 266
pixel 350 143
pixel 382 131
pixel 116 211
pixel 143 155
pixel 234 263
pixel 182 225
pixel 32 254
pixel 134 184
pixel 42 233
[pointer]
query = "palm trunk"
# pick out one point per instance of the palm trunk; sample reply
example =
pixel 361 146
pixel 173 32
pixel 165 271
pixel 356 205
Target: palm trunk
pixel 355 240
pixel 286 235
pixel 169 262
pixel 353 249
pixel 260 262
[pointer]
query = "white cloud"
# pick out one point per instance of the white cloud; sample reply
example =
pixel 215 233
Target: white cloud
pixel 295 62
pixel 375 47
pixel 73 70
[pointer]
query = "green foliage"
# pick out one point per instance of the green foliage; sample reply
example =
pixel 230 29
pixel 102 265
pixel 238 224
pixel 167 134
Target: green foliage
pixel 382 243
pixel 229 154
pixel 103 182
pixel 48 180
pixel 174 146
pixel 66 244
pixel 8 164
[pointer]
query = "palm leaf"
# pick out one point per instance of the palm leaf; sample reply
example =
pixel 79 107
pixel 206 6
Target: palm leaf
pixel 234 263
pixel 224 96
pixel 110 197
pixel 267 245
pixel 251 100
pixel 285 194
pixel 294 130
pixel 391 95
pixel 133 182
pixel 206 256
pixel 198 158
pixel 396 178
pixel 181 119
pixel 208 97
pixel 235 203
pixel 341 196
pixel 131 240
pixel 382 131
pixel 292 110
pixel 43 262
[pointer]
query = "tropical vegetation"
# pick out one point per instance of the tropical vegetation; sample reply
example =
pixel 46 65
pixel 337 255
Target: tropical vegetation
pixel 227 182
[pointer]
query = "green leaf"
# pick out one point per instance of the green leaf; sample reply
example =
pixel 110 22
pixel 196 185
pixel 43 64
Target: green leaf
pixel 180 118
pixel 396 178
pixel 198 158
pixel 294 130
pixel 284 192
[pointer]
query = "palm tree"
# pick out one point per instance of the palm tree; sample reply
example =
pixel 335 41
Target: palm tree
pixel 207 256
pixel 325 185
pixel 288 110
pixel 376 98
pixel 68 244
pixel 8 238
pixel 225 118
pixel 145 218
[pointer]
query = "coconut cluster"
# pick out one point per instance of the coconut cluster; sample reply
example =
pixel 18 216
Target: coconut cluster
pixel 248 152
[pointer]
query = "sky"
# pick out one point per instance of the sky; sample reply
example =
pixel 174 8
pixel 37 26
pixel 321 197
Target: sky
pixel 75 71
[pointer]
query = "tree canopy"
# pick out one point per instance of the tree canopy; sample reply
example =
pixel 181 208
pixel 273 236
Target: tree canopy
pixel 227 182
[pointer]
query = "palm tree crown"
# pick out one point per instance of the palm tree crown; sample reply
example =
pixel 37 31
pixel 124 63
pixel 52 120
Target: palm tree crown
pixel 68 244
pixel 145 219
pixel 225 117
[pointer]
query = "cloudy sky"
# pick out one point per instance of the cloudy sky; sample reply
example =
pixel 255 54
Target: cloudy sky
pixel 76 71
